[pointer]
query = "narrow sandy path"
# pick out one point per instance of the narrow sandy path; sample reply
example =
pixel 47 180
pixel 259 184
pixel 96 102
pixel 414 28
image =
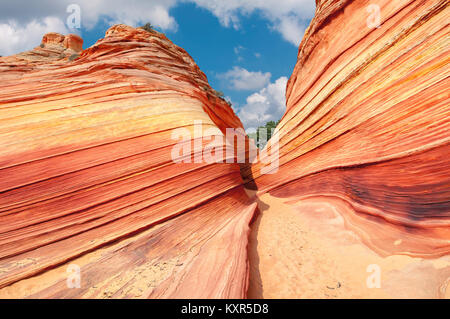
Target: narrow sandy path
pixel 293 255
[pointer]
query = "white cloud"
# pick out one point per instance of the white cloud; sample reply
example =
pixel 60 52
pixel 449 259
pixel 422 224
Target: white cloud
pixel 241 79
pixel 24 22
pixel 266 105
pixel 132 12
pixel 291 29
pixel 289 17
pixel 15 38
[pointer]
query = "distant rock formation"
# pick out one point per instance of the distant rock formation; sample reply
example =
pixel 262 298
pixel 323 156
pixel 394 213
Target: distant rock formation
pixel 88 183
pixel 69 42
pixel 54 47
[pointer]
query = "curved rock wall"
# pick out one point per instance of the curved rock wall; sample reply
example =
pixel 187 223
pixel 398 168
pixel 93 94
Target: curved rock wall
pixel 88 183
pixel 367 122
pixel 89 188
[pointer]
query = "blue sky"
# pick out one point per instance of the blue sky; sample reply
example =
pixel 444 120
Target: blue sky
pixel 247 49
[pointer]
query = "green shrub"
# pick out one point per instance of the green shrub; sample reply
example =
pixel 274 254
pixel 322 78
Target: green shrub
pixel 271 125
pixel 73 56
pixel 147 27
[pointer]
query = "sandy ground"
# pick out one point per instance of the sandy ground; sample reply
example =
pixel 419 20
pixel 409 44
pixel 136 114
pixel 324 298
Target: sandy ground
pixel 306 252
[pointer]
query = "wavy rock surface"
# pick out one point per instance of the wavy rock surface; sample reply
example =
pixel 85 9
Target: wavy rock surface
pixel 88 181
pixel 366 133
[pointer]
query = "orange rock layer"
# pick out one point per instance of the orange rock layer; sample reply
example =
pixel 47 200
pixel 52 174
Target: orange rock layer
pixel 367 123
pixel 88 181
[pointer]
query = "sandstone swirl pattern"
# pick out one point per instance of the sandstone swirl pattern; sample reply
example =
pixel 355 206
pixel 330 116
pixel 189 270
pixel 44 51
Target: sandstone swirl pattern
pixel 360 204
pixel 87 177
pixel 368 123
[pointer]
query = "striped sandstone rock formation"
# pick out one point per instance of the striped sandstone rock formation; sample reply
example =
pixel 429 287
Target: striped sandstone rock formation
pixel 367 122
pixel 366 130
pixel 88 182
pixel 87 178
